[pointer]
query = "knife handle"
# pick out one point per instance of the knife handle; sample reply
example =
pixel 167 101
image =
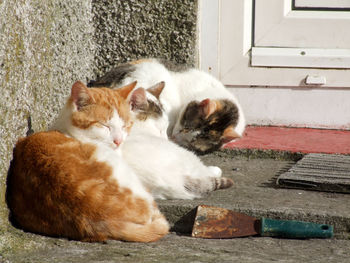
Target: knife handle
pixel 294 229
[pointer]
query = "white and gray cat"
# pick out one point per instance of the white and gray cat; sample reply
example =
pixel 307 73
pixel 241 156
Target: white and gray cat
pixel 167 170
pixel 203 114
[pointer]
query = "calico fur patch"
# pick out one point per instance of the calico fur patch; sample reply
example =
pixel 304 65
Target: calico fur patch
pixel 208 129
pixel 151 110
pixel 172 66
pixel 113 77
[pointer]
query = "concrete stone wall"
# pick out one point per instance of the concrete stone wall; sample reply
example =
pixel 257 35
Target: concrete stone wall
pixel 47 45
pixel 132 29
pixel 44 47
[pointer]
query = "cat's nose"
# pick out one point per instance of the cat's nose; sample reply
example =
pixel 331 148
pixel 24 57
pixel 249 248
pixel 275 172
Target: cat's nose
pixel 117 142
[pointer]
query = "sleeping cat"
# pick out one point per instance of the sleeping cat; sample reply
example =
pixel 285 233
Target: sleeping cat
pixel 166 169
pixel 72 182
pixel 203 114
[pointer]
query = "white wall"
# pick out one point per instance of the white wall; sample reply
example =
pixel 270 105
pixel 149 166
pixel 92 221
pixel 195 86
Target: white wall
pixel 316 108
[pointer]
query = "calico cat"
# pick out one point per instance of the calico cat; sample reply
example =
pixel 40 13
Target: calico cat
pixel 72 181
pixel 166 169
pixel 203 114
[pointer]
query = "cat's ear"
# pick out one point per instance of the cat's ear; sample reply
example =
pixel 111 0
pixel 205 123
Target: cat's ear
pixel 208 107
pixel 138 99
pixel 229 135
pixel 125 91
pixel 80 95
pixel 157 89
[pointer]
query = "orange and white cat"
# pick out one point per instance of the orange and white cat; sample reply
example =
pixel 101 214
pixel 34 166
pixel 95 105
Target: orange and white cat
pixel 72 182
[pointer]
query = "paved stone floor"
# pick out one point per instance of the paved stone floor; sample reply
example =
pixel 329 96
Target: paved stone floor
pixel 254 193
pixel 175 248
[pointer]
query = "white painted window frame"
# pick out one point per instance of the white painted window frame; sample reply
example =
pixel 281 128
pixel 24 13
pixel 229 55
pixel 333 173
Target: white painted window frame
pixel 278 24
pixel 229 50
pixel 322 3
pixel 300 57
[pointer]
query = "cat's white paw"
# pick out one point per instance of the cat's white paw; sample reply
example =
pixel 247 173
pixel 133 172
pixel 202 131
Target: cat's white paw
pixel 216 171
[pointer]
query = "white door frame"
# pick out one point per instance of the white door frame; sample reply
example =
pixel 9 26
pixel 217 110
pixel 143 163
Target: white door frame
pixel 228 50
pixel 267 95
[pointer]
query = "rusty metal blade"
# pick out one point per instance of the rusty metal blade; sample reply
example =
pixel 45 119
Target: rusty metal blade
pixel 215 222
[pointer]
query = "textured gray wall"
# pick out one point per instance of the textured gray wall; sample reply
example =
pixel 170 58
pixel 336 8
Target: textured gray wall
pixel 47 45
pixel 44 47
pixel 127 30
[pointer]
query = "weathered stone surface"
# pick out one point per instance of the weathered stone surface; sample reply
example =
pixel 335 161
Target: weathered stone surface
pixel 254 193
pixel 45 46
pixel 133 29
pixel 174 248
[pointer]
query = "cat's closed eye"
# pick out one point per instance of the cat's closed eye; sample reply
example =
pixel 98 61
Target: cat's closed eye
pixel 104 125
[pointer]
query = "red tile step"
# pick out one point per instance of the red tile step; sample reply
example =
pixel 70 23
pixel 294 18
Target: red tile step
pixel 302 140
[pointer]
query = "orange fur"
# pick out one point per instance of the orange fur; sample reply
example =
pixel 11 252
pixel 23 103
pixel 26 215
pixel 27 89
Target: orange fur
pixel 57 187
pixel 135 62
pixel 108 100
pixel 209 107
pixel 230 134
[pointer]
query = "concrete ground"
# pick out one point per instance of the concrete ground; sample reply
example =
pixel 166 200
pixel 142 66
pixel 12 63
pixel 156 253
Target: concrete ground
pixel 254 193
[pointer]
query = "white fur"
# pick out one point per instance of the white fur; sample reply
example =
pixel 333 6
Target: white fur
pixel 180 89
pixel 103 136
pixel 217 172
pixel 199 85
pixel 122 173
pixel 149 73
pixel 162 165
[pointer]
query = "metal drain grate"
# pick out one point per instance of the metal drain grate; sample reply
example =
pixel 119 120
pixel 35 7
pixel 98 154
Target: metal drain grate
pixel 320 172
